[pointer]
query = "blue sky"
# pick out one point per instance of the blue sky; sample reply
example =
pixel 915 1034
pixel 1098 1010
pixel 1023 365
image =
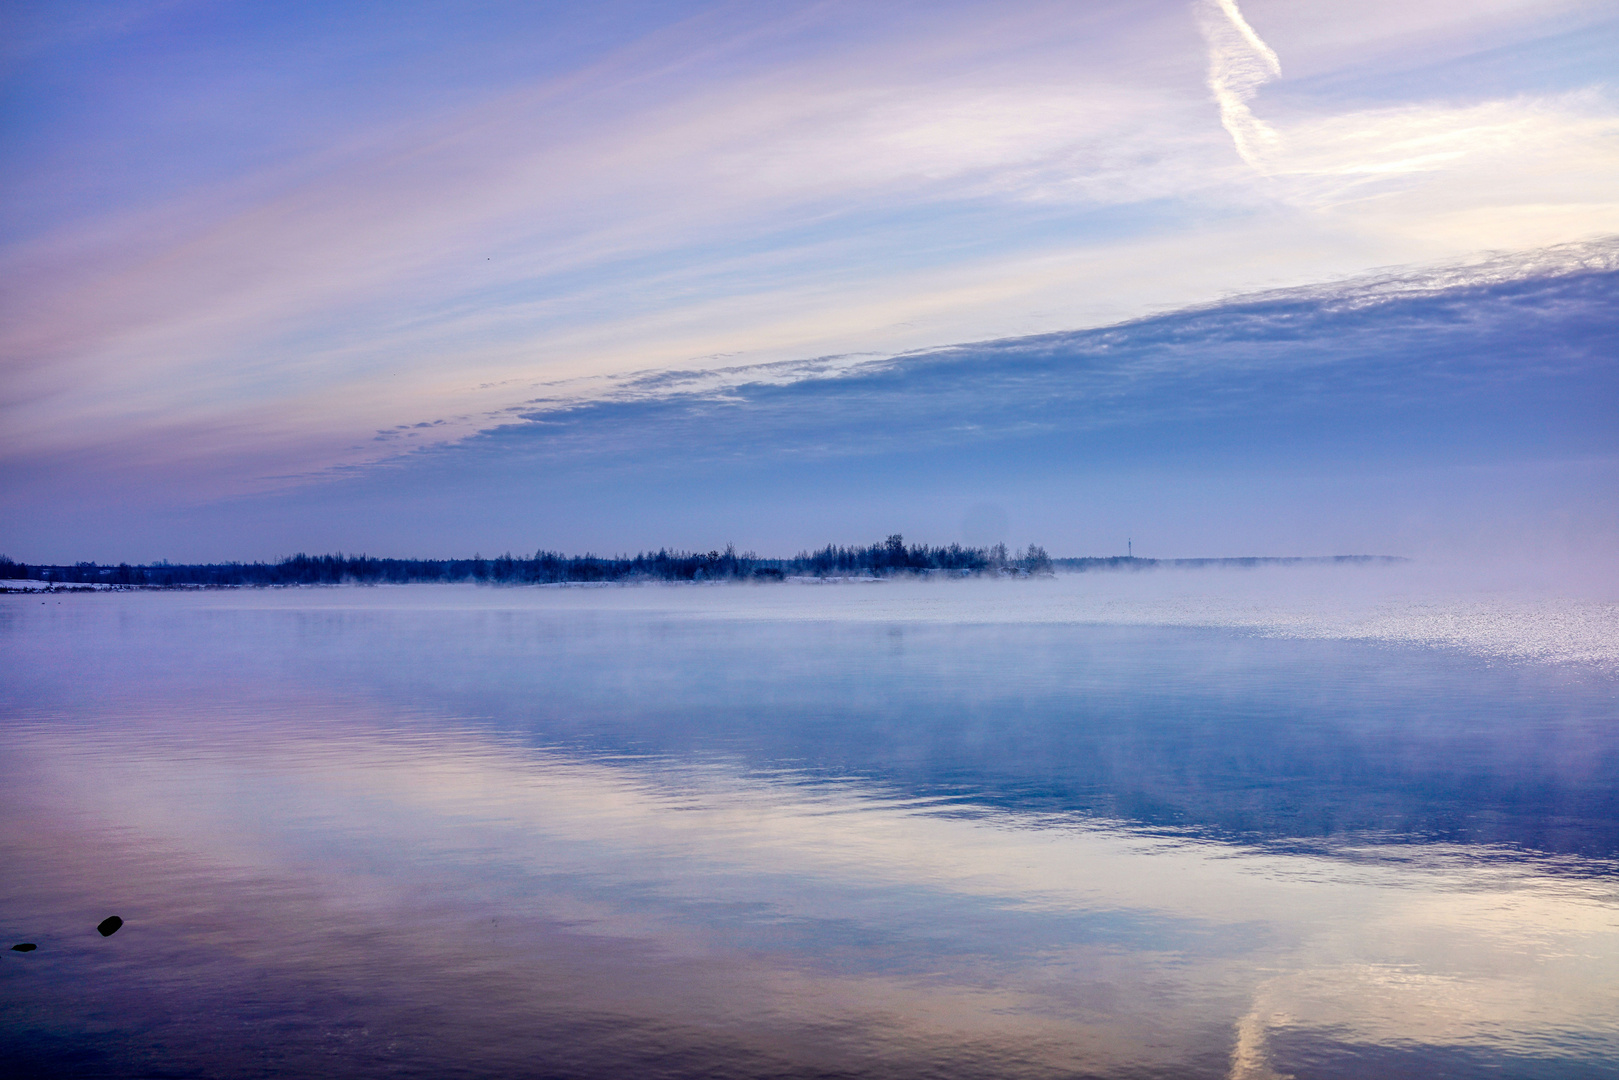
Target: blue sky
pixel 420 281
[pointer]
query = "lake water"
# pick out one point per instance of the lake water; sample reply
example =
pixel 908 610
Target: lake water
pixel 1101 826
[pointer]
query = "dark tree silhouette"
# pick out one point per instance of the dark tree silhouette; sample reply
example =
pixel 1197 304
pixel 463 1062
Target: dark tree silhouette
pixel 889 558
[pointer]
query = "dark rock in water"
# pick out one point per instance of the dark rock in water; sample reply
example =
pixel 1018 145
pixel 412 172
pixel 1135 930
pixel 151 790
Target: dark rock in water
pixel 27 946
pixel 109 926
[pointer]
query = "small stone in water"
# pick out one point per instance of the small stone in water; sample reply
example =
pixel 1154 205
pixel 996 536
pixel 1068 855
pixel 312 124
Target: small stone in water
pixel 109 926
pixel 27 946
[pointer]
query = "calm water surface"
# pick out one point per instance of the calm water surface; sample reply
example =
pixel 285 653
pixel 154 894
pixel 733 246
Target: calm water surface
pixel 475 832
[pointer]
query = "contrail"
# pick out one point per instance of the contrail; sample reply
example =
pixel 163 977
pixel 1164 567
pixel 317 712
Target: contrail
pixel 1239 64
pixel 1229 8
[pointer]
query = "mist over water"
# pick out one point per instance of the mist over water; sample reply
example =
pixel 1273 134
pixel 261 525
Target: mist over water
pixel 1309 822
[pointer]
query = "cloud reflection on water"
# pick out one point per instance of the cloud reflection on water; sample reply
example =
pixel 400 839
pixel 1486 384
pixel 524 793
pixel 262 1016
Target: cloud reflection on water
pixel 980 928
pixel 367 836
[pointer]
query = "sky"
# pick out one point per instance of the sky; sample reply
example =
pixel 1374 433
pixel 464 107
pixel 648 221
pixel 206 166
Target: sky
pixel 411 279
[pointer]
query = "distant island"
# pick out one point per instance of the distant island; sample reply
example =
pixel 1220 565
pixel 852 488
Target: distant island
pixel 890 558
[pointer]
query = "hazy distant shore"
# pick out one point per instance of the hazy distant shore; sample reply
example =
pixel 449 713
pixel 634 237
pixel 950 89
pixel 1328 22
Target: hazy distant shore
pixel 892 558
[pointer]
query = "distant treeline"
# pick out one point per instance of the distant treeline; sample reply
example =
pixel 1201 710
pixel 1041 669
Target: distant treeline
pixel 892 556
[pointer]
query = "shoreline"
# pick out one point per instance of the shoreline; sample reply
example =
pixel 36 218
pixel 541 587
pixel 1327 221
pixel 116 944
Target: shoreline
pixel 73 579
